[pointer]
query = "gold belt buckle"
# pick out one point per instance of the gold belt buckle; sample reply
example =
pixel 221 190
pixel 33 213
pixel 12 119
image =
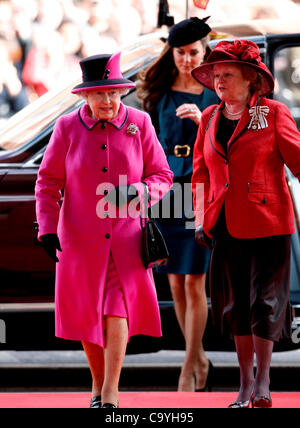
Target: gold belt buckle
pixel 179 155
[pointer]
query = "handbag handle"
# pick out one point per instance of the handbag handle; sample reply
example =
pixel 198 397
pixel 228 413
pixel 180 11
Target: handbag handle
pixel 146 213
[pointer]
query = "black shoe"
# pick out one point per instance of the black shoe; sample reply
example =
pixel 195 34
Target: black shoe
pixel 209 379
pixel 96 402
pixel 110 406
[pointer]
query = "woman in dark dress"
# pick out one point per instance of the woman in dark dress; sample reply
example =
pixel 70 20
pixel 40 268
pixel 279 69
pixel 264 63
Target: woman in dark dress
pixel 175 101
pixel 240 153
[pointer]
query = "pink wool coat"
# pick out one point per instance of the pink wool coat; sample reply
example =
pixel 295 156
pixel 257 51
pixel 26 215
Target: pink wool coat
pixel 85 158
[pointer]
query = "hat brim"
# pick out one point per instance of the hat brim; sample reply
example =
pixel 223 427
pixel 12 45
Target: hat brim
pixel 203 74
pixel 107 84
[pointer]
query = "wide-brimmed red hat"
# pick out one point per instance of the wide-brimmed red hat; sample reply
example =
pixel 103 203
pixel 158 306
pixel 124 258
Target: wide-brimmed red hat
pixel 102 71
pixel 240 52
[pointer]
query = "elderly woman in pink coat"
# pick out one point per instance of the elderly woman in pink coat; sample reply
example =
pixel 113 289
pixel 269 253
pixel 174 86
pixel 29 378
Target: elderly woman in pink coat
pixel 101 156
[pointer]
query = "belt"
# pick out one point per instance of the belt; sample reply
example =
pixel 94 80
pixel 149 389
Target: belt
pixel 179 151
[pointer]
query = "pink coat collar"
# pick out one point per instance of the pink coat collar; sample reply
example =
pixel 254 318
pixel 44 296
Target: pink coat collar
pixel 85 117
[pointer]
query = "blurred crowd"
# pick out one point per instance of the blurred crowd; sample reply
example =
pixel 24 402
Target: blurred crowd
pixel 42 41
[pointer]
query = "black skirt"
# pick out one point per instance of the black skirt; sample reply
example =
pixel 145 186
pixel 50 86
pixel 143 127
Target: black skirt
pixel 249 284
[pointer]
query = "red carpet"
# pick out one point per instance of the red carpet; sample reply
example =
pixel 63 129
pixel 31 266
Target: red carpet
pixel 147 400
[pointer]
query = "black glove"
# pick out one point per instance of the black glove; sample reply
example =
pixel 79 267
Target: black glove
pixel 121 195
pixel 202 239
pixel 51 243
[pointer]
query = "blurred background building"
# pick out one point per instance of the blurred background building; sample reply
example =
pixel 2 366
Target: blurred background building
pixel 42 41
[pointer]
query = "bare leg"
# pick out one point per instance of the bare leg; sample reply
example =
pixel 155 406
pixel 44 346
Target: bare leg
pixel 196 320
pixel 195 323
pixel 178 294
pixel 263 349
pixel 177 285
pixel 114 354
pixel 95 356
pixel 245 351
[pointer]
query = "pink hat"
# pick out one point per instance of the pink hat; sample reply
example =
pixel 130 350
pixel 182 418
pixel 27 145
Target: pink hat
pixel 240 52
pixel 102 71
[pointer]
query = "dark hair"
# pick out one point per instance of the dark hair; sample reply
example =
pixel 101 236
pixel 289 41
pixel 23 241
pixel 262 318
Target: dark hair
pixel 160 76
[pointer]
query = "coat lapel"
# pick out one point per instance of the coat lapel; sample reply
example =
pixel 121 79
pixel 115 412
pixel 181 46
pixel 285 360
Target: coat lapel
pixel 241 128
pixel 213 129
pixel 85 117
pixel 121 119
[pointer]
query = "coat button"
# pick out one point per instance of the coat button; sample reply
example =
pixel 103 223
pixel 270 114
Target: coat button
pixel 105 192
pixel 227 185
pixel 107 236
pixel 104 169
pixel 103 125
pixel 226 162
pixel 264 201
pixel 104 147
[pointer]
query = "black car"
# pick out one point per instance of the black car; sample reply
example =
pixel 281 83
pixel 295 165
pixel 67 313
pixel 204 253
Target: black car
pixel 27 274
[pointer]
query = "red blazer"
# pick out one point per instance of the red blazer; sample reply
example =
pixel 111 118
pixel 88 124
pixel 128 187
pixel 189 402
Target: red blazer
pixel 250 179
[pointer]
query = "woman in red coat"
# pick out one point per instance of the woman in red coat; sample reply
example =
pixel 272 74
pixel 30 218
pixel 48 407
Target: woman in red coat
pixel 247 215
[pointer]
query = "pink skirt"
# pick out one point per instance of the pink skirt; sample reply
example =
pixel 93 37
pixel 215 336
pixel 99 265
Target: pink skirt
pixel 114 302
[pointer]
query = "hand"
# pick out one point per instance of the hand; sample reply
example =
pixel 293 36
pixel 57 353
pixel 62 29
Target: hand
pixel 202 239
pixel 189 111
pixel 121 195
pixel 51 243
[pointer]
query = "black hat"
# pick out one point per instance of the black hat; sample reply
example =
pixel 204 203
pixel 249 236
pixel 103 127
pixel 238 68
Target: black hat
pixel 188 31
pixel 102 71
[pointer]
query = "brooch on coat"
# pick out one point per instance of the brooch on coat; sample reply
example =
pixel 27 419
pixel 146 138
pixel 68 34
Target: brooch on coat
pixel 258 117
pixel 132 129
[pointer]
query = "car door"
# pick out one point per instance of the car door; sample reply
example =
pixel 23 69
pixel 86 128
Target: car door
pixel 284 62
pixel 17 207
pixel 25 270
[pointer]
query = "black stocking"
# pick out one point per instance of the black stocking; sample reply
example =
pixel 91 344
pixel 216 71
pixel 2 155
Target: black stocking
pixel 263 349
pixel 245 351
pixel 245 347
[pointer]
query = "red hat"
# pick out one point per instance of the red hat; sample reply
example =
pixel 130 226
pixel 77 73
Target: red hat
pixel 240 52
pixel 102 71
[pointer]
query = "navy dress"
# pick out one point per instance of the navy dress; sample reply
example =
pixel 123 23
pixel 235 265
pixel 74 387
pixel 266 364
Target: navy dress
pixel 175 217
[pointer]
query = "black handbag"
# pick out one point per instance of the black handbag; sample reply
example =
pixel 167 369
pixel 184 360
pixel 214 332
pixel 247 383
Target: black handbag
pixel 155 251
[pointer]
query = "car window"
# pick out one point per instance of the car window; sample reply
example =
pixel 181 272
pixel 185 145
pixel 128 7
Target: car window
pixel 42 113
pixel 36 117
pixel 287 90
pixel 287 79
pixel 36 159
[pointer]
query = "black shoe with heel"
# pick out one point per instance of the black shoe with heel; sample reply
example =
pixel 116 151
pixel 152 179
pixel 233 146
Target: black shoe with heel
pixel 209 379
pixel 96 402
pixel 110 406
